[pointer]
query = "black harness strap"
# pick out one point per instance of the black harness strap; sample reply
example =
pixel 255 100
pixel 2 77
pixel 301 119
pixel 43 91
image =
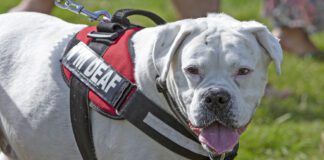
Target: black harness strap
pixel 162 88
pixel 140 116
pixel 81 120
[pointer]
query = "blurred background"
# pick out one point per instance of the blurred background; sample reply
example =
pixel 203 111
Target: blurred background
pixel 289 123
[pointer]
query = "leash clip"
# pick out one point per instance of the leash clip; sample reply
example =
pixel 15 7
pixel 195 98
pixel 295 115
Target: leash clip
pixel 79 9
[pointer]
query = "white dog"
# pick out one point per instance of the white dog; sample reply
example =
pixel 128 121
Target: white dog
pixel 215 68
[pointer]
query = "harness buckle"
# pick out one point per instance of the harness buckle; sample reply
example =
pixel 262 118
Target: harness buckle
pixel 103 35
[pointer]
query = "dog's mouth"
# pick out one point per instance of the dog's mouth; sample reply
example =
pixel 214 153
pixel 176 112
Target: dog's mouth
pixel 218 138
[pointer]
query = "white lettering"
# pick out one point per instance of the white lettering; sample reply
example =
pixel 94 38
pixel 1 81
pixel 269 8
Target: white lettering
pixel 74 51
pixel 113 82
pixel 92 67
pixel 81 59
pixel 104 80
pixel 102 67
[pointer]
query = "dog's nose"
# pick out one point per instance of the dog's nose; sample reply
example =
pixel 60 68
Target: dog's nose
pixel 216 98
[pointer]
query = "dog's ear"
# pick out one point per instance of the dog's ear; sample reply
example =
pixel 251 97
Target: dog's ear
pixel 267 40
pixel 166 45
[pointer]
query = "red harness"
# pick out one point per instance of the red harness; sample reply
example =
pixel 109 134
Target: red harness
pixel 118 56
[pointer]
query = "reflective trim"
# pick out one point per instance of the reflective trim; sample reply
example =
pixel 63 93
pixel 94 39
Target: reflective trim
pixel 173 135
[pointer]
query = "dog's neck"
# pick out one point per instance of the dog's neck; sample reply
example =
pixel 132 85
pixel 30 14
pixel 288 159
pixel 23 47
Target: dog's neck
pixel 145 73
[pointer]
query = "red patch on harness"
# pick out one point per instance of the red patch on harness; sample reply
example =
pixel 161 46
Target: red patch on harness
pixel 118 56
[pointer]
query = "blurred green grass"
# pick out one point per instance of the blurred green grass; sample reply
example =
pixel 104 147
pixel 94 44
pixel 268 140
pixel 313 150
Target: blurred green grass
pixel 282 128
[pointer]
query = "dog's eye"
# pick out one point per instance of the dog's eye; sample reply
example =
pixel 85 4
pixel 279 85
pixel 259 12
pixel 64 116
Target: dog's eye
pixel 192 70
pixel 243 71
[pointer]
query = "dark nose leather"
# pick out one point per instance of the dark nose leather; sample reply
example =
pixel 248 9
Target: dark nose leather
pixel 216 98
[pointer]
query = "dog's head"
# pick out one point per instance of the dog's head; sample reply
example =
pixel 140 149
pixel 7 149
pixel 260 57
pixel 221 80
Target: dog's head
pixel 216 70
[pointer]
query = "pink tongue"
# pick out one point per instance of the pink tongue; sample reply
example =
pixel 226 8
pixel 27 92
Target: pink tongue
pixel 219 138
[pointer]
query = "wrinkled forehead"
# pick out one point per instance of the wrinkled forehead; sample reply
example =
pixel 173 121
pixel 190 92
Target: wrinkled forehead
pixel 227 46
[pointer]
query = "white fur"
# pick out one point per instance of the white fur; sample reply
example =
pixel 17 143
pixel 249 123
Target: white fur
pixel 34 99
